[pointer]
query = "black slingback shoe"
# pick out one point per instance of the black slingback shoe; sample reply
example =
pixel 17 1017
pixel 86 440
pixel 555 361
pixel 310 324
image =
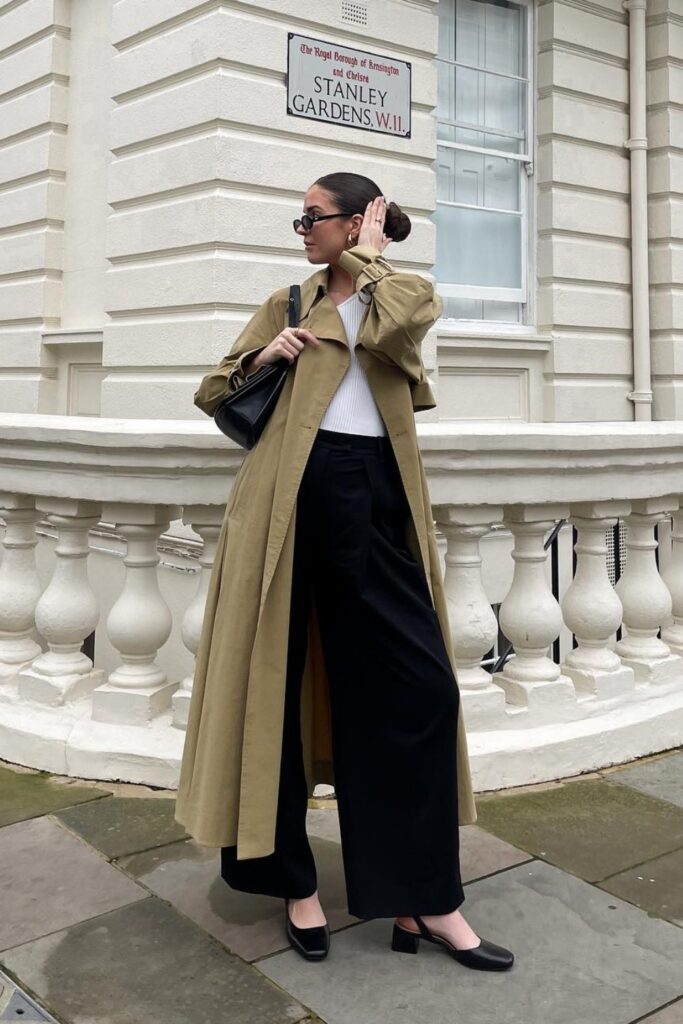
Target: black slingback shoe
pixel 487 956
pixel 312 943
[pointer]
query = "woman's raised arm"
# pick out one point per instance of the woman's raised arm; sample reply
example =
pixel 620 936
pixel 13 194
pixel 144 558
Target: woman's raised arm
pixel 403 308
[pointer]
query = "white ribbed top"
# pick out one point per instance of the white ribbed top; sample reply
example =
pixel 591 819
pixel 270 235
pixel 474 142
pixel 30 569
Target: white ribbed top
pixel 353 408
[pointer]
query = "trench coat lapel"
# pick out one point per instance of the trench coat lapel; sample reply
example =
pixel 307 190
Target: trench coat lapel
pixel 310 391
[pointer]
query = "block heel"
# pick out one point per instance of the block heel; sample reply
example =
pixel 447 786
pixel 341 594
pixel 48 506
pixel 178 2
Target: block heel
pixel 403 941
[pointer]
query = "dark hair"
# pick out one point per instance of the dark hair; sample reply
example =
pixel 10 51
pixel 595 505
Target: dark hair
pixel 354 191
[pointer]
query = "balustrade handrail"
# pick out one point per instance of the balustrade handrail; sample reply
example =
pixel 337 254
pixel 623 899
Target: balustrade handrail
pixel 465 463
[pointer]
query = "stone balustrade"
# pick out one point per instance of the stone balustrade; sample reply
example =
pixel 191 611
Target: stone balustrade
pixel 604 701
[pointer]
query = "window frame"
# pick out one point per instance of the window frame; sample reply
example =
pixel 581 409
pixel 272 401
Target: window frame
pixel 523 295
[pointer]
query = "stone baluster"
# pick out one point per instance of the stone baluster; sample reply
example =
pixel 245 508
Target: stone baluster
pixel 473 624
pixel 591 606
pixel 673 577
pixel 67 611
pixel 206 520
pixel 645 596
pixel 19 584
pixel 139 622
pixel 531 616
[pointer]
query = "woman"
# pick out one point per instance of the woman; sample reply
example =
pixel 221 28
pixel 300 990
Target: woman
pixel 326 627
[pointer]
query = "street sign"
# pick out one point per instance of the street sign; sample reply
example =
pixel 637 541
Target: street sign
pixel 341 85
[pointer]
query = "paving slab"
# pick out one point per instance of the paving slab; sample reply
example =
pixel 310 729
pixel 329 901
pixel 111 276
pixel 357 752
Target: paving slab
pixel 252 925
pixel 15 1004
pixel 123 825
pixel 146 964
pixel 582 955
pixel 669 1015
pixel 594 829
pixel 28 794
pixel 323 822
pixel 656 886
pixel 661 777
pixel 50 879
pixel 482 853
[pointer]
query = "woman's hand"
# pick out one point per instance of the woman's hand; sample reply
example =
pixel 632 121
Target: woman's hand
pixel 289 343
pixel 372 229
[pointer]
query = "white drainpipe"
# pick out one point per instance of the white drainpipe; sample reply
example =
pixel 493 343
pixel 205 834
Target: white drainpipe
pixel 641 396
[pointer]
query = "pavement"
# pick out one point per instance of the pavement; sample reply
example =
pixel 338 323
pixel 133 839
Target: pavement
pixel 111 914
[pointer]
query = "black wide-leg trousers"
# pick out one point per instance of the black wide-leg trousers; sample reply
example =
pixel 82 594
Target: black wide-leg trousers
pixel 393 697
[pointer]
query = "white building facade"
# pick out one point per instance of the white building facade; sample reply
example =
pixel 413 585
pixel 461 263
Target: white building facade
pixel 149 175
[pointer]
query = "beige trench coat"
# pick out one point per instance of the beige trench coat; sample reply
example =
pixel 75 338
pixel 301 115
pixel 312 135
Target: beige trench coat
pixel 229 775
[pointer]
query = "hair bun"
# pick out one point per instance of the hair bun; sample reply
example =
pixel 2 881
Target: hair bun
pixel 397 223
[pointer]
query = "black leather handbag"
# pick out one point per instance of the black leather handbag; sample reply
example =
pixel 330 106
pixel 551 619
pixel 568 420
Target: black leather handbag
pixel 243 414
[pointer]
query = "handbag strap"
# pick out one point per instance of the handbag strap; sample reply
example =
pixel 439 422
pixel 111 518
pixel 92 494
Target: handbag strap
pixel 294 304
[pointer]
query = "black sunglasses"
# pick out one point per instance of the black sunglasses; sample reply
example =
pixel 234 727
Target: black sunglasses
pixel 307 220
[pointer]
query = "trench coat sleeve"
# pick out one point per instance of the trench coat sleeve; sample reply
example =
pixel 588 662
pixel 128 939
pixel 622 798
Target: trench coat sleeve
pixel 403 308
pixel 229 375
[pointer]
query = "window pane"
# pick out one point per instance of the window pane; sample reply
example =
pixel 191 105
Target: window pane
pixel 477 247
pixel 445 12
pixel 505 312
pixel 480 309
pixel 482 101
pixel 464 177
pixel 488 35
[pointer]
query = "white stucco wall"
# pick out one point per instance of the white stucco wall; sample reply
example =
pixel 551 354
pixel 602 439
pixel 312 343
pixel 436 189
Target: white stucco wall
pixel 150 172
